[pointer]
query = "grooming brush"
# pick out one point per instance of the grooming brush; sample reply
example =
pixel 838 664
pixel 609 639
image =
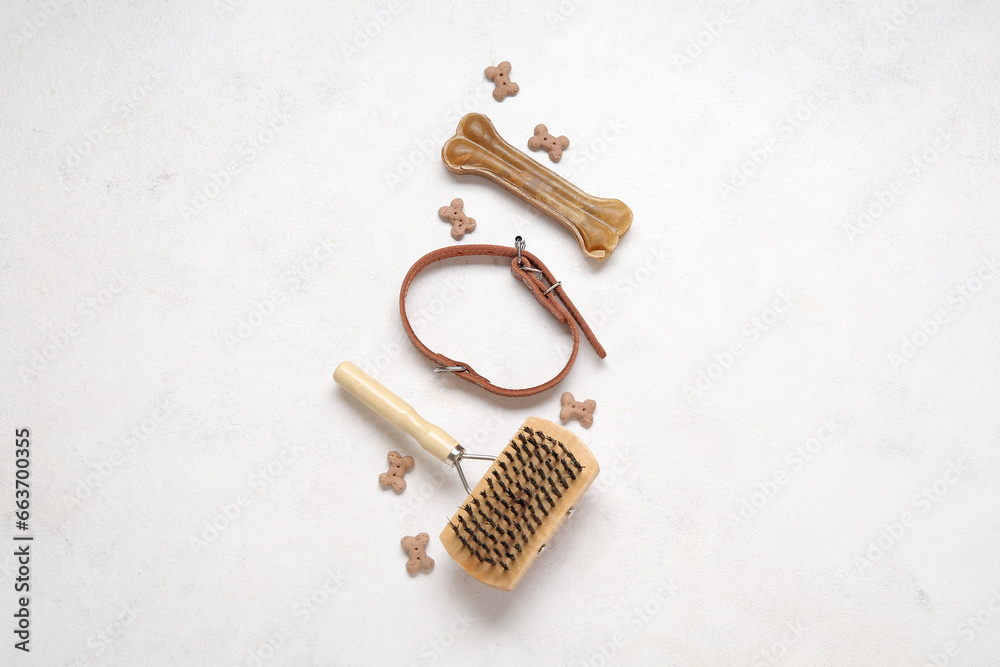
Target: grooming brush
pixel 533 485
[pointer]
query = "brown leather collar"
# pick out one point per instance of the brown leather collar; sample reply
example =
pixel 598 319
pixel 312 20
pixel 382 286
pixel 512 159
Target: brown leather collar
pixel 531 272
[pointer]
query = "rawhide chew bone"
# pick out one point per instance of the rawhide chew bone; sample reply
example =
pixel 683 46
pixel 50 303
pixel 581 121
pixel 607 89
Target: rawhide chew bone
pixel 416 547
pixel 398 465
pixel 460 223
pixel 500 76
pixel 582 410
pixel 477 149
pixel 553 145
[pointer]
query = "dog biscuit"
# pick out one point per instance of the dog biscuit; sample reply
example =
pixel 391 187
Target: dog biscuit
pixel 500 76
pixel 460 223
pixel 416 547
pixel 398 465
pixel 543 140
pixel 582 410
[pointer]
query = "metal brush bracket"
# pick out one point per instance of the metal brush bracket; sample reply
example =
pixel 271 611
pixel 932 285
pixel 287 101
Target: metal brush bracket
pixel 455 459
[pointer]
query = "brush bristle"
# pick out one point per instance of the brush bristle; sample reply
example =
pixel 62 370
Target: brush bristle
pixel 523 487
pixel 520 503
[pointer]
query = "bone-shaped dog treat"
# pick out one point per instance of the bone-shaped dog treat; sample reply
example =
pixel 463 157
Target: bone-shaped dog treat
pixel 500 76
pixel 416 547
pixel 460 223
pixel 477 149
pixel 554 145
pixel 398 465
pixel 582 410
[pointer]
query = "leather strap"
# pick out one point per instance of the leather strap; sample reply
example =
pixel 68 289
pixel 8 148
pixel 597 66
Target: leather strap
pixel 530 271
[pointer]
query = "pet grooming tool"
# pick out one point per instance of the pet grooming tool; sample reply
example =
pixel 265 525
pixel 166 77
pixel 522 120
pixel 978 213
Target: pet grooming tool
pixel 511 514
pixel 477 149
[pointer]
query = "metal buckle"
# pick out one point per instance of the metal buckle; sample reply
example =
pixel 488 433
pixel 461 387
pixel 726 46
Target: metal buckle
pixel 519 244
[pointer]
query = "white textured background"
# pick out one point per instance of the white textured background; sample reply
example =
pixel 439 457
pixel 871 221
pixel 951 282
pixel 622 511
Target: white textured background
pixel 207 205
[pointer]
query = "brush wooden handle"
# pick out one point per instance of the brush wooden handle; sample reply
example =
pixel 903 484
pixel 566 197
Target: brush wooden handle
pixel 476 148
pixel 394 410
